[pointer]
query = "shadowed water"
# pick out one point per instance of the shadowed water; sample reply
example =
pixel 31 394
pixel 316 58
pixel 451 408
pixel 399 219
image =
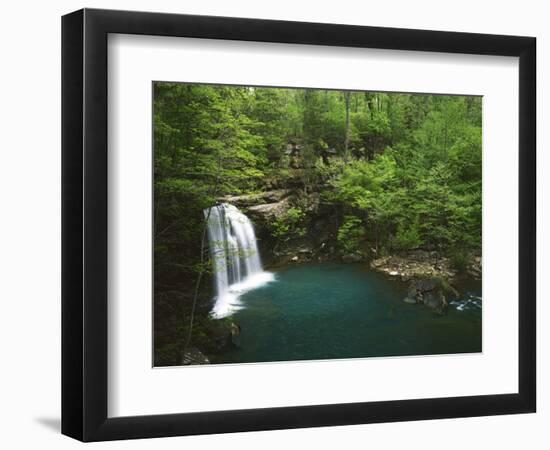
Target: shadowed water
pixel 330 310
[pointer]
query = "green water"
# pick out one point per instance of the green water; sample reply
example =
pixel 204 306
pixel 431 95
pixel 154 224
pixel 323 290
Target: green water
pixel 329 310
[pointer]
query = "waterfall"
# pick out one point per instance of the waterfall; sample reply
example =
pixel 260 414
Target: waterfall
pixel 235 258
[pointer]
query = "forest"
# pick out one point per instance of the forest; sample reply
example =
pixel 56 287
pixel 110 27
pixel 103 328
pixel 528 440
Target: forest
pixel 375 174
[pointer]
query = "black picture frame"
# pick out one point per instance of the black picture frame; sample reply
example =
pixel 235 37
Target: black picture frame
pixel 84 224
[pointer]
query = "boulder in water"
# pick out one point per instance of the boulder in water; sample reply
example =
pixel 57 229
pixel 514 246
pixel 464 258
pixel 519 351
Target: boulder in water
pixel 430 292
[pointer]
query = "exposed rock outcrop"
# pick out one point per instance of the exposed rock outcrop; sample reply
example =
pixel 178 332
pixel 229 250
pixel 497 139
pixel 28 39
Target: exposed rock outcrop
pixel 430 292
pixel 318 225
pixel 415 264
pixel 474 268
pixel 267 211
pixel 272 196
pixel 262 207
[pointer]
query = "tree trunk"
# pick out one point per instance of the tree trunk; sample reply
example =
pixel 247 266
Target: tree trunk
pixel 346 139
pixel 213 194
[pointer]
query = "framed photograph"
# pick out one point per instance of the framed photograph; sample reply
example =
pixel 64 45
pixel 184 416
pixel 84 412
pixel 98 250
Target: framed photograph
pixel 273 224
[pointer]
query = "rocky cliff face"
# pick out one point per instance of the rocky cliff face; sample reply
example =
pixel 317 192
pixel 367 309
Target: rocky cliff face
pixel 272 197
pixel 320 225
pixel 318 242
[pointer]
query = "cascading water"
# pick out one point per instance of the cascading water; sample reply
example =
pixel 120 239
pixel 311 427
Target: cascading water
pixel 235 257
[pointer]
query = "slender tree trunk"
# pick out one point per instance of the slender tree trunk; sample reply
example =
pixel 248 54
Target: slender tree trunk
pixel 201 267
pixel 346 139
pixel 445 136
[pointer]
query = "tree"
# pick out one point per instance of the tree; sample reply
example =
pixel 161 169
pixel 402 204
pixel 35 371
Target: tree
pixel 399 171
pixel 346 138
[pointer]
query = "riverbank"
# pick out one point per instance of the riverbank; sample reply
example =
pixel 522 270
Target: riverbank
pixel 423 264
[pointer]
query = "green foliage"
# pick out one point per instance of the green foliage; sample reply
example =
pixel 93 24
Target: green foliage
pixel 289 225
pixel 407 237
pixel 424 190
pixel 460 258
pixel 351 234
pixel 399 171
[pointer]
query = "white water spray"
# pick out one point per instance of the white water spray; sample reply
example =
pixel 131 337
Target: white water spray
pixel 235 258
